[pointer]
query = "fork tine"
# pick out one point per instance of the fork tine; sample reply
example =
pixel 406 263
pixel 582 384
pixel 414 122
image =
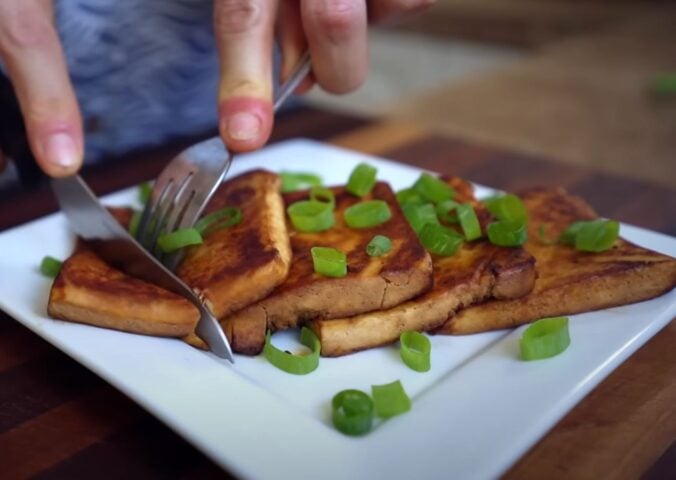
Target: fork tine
pixel 150 209
pixel 164 208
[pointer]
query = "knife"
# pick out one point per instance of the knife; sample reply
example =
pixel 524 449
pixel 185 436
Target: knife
pixel 91 221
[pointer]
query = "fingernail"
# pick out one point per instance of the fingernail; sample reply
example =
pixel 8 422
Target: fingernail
pixel 244 126
pixel 60 150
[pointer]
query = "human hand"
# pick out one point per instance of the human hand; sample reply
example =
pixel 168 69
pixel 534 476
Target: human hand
pixel 335 32
pixel 31 52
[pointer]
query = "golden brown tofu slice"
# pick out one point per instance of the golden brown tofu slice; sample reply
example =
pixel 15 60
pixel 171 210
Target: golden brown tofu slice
pixel 242 264
pixel 478 270
pixel 87 290
pixel 570 281
pixel 372 283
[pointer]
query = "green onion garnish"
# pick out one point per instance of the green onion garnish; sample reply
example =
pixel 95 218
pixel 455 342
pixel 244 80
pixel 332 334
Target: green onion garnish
pixel 292 181
pixel 390 399
pixel 50 266
pixel 134 222
pixel 469 222
pixel 409 195
pixel 420 215
pixel 352 412
pixel 329 262
pixel 507 234
pixel 170 242
pixel 440 240
pixel 323 195
pixel 378 246
pixel 362 179
pixel 311 216
pixel 295 364
pixel 446 211
pixel 367 214
pixel 508 208
pixel 591 236
pixel 545 338
pixel 415 349
pixel 218 220
pixel 433 189
pixel 144 192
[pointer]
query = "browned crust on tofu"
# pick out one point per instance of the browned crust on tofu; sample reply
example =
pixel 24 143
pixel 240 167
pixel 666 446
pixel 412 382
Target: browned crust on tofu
pixel 570 281
pixel 237 266
pixel 371 284
pixel 89 291
pixel 478 270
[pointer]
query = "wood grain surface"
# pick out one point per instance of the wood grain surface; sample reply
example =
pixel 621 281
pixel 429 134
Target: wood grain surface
pixel 58 420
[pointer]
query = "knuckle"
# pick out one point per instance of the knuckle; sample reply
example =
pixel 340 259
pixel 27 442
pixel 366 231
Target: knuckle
pixel 237 16
pixel 336 18
pixel 25 26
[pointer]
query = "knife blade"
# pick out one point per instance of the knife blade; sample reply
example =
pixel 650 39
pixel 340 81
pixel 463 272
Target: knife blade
pixel 92 222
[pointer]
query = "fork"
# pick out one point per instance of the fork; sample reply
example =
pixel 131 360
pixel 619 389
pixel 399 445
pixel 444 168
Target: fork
pixel 188 182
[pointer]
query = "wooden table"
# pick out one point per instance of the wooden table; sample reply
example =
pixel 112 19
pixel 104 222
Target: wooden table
pixel 58 420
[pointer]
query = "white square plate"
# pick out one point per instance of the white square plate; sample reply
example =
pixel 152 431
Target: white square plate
pixel 473 415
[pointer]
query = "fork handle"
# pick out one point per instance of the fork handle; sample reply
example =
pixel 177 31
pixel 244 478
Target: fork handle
pixel 297 76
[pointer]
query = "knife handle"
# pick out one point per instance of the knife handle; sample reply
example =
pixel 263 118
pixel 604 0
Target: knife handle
pixel 13 137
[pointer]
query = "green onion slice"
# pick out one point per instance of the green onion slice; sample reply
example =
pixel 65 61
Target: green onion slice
pixel 379 246
pixel 440 240
pixel 145 189
pixel 352 412
pixel 545 338
pixel 507 208
pixel 367 214
pixel 290 363
pixel 507 234
pixel 50 266
pixel 170 242
pixel 446 211
pixel 329 262
pixel 415 350
pixel 469 222
pixel 218 220
pixel 591 236
pixel 433 189
pixel 420 215
pixel 323 195
pixel 409 195
pixel 311 216
pixel 362 179
pixel 134 222
pixel 390 399
pixel 292 181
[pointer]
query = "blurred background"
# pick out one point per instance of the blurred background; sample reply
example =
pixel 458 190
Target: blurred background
pixel 570 80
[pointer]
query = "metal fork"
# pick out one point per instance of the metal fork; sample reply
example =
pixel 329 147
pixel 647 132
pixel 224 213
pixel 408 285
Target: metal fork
pixel 187 183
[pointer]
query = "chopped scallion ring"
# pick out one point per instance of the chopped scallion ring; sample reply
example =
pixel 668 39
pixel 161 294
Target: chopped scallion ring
pixel 170 242
pixel 295 364
pixel 378 246
pixel 144 192
pixel 420 215
pixel 218 220
pixel 362 179
pixel 415 349
pixel 311 216
pixel 507 234
pixel 446 211
pixel 592 236
pixel 352 412
pixel 390 399
pixel 507 208
pixel 50 266
pixel 545 338
pixel 469 222
pixel 329 262
pixel 440 240
pixel 323 195
pixel 409 195
pixel 367 214
pixel 292 181
pixel 433 189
